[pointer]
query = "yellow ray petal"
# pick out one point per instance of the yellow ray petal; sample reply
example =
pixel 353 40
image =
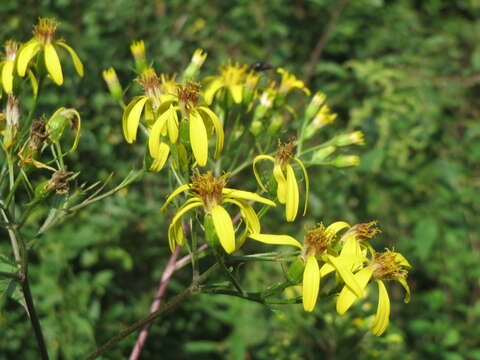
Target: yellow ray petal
pixel 255 172
pixel 25 54
pixel 237 92
pixel 383 310
pixel 218 128
pixel 52 62
pixel 404 284
pixel 346 275
pixel 162 157
pixel 307 183
pixel 335 227
pixel 126 112
pixel 211 90
pixel 133 119
pixel 311 283
pixel 246 195
pixel 172 124
pixel 77 133
pixel 224 228
pixel 154 137
pixel 76 60
pixel 276 239
pixel 178 236
pixel 174 194
pixel 172 230
pixel 346 298
pixel 291 203
pixel 248 214
pixel 326 269
pixel 281 184
pixel 33 82
pixel 7 76
pixel 198 138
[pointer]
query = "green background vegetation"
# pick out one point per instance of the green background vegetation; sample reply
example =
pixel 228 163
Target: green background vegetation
pixel 407 73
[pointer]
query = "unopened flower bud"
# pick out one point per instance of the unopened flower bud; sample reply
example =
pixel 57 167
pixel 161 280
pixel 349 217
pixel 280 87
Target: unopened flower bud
pixel 322 154
pixel 138 51
pixel 12 116
pixel 317 100
pixel 198 58
pixel 353 138
pixel 110 77
pixel 275 124
pixel 346 161
pixel 323 118
pixel 255 127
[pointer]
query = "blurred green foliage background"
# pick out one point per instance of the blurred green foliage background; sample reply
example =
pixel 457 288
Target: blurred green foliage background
pixel 405 72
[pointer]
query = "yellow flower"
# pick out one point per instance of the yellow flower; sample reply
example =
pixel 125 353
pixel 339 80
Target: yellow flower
pixel 388 265
pixel 232 78
pixel 317 246
pixel 210 193
pixel 44 41
pixel 287 186
pixel 290 82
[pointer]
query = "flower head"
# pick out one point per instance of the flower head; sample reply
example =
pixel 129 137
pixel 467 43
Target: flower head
pixel 317 246
pixel 287 186
pixel 210 193
pixel 389 265
pixel 44 42
pixel 290 82
pixel 232 78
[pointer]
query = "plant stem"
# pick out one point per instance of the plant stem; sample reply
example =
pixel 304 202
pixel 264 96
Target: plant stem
pixel 168 307
pixel 34 318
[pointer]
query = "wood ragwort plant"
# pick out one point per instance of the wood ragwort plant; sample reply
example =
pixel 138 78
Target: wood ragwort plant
pixel 201 134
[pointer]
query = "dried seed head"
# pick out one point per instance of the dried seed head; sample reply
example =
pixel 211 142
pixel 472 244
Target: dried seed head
pixel 38 134
pixel 59 182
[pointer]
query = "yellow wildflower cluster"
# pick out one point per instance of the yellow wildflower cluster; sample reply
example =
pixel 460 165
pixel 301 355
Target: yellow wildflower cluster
pixel 180 116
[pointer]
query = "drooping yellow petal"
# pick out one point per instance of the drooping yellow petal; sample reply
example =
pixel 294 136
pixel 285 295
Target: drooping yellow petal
pixel 351 253
pixel 404 284
pixel 237 92
pixel 172 124
pixel 76 60
pixel 161 157
pixel 25 54
pixel 276 239
pixel 217 126
pixel 307 183
pixel 172 229
pixel 335 227
pixel 52 62
pixel 346 275
pixel 154 137
pixel 246 195
pixel 346 298
pixel 174 194
pixel 198 138
pixel 78 125
pixel 291 203
pixel 7 76
pixel 212 89
pixel 248 214
pixel 133 119
pixel 255 172
pixel 224 228
pixel 126 112
pixel 311 283
pixel 383 310
pixel 178 236
pixel 281 184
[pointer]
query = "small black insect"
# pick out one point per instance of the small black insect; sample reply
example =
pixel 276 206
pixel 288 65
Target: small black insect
pixel 261 66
